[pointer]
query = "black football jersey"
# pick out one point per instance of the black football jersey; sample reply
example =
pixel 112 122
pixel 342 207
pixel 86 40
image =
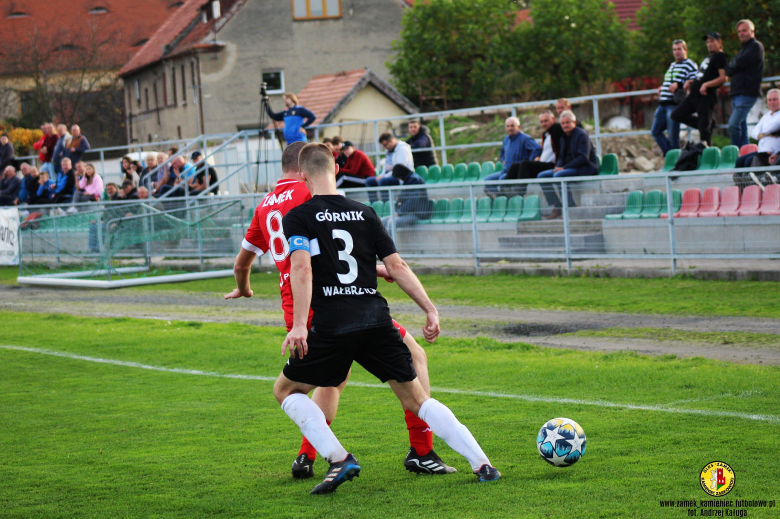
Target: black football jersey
pixel 344 239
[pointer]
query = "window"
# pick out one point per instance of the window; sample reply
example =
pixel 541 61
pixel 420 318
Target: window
pixel 316 9
pixel 26 102
pixel 165 89
pixel 146 95
pixel 173 84
pixel 183 86
pixel 140 43
pixel 18 14
pixel 98 10
pixel 178 131
pixel 274 80
pixel 137 93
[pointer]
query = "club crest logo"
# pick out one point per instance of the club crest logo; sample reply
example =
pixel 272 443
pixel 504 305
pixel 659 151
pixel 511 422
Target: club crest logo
pixel 717 478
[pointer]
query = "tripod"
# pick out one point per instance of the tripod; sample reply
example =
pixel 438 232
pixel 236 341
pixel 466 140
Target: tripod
pixel 262 145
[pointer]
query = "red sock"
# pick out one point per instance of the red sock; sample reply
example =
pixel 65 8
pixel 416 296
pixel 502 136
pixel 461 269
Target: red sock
pixel 308 449
pixel 420 435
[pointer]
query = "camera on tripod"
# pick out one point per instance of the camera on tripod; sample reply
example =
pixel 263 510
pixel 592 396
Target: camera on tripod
pixel 263 89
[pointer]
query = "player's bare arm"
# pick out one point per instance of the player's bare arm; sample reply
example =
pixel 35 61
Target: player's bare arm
pixel 381 272
pixel 300 282
pixel 241 270
pixel 407 280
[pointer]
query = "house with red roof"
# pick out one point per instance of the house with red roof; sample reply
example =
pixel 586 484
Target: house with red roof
pixel 201 71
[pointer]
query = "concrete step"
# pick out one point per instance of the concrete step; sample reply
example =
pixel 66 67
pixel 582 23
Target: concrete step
pixel 590 213
pixel 580 243
pixel 556 226
pixel 603 199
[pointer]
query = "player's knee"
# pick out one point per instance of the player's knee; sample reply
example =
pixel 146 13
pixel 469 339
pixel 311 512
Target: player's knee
pixel 281 390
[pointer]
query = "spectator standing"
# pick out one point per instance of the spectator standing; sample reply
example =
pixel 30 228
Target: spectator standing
pixel 63 141
pixel 77 146
pixel 357 167
pixel 296 118
pixel 65 185
pixel 563 104
pixel 702 90
pixel 398 152
pixel 670 94
pixel 45 146
pixel 516 148
pixel 10 184
pixel 90 184
pixel 6 152
pixel 745 72
pixel 767 133
pixel 576 157
pixel 411 205
pixel 551 139
pixel 420 137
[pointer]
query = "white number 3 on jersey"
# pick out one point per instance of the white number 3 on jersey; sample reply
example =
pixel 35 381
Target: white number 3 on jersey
pixel 349 277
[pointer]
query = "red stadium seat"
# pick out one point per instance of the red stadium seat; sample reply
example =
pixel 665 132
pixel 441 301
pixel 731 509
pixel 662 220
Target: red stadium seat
pixel 751 201
pixel 710 204
pixel 747 148
pixel 770 205
pixel 690 204
pixel 729 204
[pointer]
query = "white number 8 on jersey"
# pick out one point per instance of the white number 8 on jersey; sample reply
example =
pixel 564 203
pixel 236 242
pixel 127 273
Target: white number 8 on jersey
pixel 276 236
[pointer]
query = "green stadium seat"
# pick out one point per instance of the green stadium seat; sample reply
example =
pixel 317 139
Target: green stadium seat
pixel 488 168
pixel 609 164
pixel 459 175
pixel 483 209
pixel 473 172
pixel 514 208
pixel 532 211
pixel 422 171
pixel 653 205
pixel 633 208
pixel 710 158
pixel 676 202
pixel 671 159
pixel 456 211
pixel 378 206
pixel 498 211
pixel 498 167
pixel 434 172
pixel 465 217
pixel 447 172
pixel 440 211
pixel 728 157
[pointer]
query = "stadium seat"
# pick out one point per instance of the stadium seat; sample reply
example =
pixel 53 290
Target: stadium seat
pixel 652 205
pixel 498 166
pixel 456 211
pixel 633 208
pixel 446 174
pixel 747 148
pixel 488 168
pixel 459 175
pixel 671 159
pixel 483 209
pixel 710 158
pixel 422 171
pixel 729 204
pixel 728 157
pixel 710 204
pixel 440 211
pixel 473 172
pixel 609 164
pixel 514 208
pixel 770 204
pixel 676 203
pixel 378 206
pixel 751 201
pixel 498 211
pixel 465 217
pixel 690 204
pixel 532 211
pixel 434 172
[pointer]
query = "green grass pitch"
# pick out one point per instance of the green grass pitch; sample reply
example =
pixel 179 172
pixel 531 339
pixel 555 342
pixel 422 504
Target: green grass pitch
pixel 85 439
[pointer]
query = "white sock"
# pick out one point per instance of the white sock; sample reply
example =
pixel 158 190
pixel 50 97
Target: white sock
pixel 310 418
pixel 444 425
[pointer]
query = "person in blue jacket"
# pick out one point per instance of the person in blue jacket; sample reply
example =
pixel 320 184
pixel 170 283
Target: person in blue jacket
pixel 296 118
pixel 576 157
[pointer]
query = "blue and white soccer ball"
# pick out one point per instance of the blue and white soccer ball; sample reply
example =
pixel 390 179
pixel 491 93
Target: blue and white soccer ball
pixel 561 442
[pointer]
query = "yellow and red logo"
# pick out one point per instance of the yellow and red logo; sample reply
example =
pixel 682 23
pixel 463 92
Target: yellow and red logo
pixel 717 478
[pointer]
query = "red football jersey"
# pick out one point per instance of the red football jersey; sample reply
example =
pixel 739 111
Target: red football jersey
pixel 265 234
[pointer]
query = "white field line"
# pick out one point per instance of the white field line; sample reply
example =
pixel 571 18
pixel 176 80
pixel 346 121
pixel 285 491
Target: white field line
pixel 661 408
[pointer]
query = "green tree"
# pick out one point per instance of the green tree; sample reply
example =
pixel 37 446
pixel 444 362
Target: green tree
pixel 661 23
pixel 463 42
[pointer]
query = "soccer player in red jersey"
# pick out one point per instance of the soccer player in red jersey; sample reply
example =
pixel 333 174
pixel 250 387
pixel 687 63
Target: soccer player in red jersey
pixel 265 235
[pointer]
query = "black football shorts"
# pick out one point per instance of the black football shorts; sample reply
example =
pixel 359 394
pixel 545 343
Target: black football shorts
pixel 381 351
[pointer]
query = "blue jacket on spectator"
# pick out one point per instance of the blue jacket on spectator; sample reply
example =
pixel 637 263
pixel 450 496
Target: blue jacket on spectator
pixel 518 148
pixel 59 151
pixel 411 201
pixel 29 187
pixel 65 184
pixel 44 191
pixel 583 154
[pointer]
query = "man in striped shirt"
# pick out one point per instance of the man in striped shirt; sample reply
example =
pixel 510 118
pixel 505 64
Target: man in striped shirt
pixel 679 71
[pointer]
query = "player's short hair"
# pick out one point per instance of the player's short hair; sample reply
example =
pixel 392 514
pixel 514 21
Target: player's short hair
pixel 385 137
pixel 316 159
pixel 569 114
pixel 292 97
pixel 290 157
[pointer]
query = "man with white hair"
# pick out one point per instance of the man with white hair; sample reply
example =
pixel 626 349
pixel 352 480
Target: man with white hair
pixel 767 133
pixel 745 71
pixel 9 186
pixel 516 148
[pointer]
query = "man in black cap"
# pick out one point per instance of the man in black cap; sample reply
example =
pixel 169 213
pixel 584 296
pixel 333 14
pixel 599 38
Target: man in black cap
pixel 354 167
pixel 702 90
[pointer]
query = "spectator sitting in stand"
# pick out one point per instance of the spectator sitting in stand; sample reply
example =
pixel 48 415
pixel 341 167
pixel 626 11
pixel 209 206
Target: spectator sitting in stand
pixel 670 94
pixel 767 133
pixel 29 187
pixel 6 152
pixel 182 171
pixel 112 191
pixel 576 157
pixel 173 150
pixel 293 117
pixel 398 152
pixel 135 172
pixel 201 182
pixel 411 204
pixel 9 186
pixel 158 182
pixel 44 194
pixel 45 146
pixel 327 141
pixel 63 141
pixel 77 146
pixel 65 185
pixel 128 191
pixel 563 104
pixel 551 139
pixel 89 186
pixel 356 168
pixel 336 143
pixel 745 73
pixel 517 147
pixel 146 172
pixel 143 193
pixel 420 137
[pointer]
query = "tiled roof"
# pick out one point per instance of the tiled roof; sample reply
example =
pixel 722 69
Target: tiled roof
pixel 322 93
pixel 182 32
pixel 69 22
pixel 626 10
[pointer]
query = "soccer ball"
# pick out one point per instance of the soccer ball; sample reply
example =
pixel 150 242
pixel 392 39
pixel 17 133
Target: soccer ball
pixel 561 442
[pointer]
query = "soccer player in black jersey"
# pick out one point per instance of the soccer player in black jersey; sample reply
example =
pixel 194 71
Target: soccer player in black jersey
pixel 334 243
